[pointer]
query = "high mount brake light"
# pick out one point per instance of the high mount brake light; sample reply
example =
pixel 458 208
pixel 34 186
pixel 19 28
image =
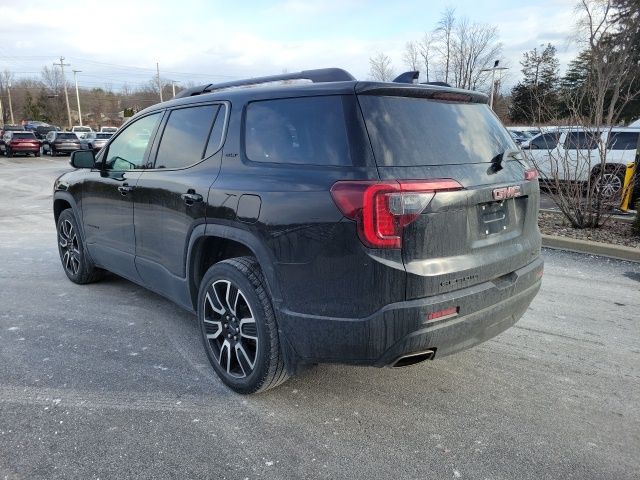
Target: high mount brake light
pixel 383 209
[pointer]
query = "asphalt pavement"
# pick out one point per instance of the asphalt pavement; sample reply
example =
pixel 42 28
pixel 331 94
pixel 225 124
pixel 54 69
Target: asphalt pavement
pixel 111 381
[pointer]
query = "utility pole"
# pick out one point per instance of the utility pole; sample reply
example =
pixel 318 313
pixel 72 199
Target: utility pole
pixel 1 109
pixel 10 106
pixel 173 87
pixel 493 79
pixel 66 94
pixel 75 79
pixel 159 83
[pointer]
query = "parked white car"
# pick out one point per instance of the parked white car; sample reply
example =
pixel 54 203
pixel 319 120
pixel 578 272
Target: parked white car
pixel 81 131
pixel 574 153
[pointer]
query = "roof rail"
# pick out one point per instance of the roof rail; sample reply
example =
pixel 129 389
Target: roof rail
pixel 407 77
pixel 316 76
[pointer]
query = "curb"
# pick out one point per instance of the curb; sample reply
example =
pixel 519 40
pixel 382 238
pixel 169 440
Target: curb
pixel 619 218
pixel 594 248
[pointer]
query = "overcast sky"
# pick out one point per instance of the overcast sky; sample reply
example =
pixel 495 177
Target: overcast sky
pixel 115 41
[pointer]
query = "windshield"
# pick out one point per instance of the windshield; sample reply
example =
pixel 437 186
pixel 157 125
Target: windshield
pixel 408 131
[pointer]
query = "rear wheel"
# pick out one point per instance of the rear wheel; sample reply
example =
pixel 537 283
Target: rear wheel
pixel 52 152
pixel 75 261
pixel 8 152
pixel 610 183
pixel 37 154
pixel 238 326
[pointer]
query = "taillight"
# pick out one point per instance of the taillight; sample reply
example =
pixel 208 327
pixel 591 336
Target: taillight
pixel 383 209
pixel 531 174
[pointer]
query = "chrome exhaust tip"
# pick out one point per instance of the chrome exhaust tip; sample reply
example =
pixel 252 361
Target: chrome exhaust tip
pixel 413 358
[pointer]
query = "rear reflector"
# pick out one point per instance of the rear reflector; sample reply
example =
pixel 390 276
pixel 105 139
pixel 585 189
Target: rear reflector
pixel 383 209
pixel 531 174
pixel 441 314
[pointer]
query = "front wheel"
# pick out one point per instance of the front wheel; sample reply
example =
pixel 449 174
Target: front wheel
pixel 76 263
pixel 238 326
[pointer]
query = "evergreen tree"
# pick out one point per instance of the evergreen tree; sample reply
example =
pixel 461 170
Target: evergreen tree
pixel 535 98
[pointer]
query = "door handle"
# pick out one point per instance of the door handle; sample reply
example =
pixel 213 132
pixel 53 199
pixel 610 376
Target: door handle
pixel 124 189
pixel 191 197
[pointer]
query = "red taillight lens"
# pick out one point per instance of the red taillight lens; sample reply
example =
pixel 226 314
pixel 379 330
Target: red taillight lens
pixel 382 209
pixel 531 174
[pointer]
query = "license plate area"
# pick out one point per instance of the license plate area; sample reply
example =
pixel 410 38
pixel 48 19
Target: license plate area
pixel 494 217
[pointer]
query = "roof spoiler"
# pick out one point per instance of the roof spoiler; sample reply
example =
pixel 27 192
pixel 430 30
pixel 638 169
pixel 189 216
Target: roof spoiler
pixel 316 76
pixel 412 77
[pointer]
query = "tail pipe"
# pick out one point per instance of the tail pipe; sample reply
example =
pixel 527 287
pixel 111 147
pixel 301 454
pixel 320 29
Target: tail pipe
pixel 413 358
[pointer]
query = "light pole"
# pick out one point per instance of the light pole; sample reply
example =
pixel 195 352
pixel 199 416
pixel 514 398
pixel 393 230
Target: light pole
pixel 64 82
pixel 493 79
pixel 75 79
pixel 10 106
pixel 159 82
pixel 173 87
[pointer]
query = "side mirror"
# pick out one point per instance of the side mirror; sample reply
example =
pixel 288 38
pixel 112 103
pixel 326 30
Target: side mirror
pixel 82 159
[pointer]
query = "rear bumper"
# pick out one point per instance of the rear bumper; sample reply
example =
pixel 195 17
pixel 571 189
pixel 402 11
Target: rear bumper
pixel 485 310
pixel 24 149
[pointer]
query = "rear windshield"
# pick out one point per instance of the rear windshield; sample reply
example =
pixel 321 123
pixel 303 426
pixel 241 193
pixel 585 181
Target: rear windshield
pixel 23 135
pixel 407 131
pixel 81 129
pixel 104 135
pixel 68 136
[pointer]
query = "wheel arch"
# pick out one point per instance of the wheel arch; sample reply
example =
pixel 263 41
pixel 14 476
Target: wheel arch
pixel 212 243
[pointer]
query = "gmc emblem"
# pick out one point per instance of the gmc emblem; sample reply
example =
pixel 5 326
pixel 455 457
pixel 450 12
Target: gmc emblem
pixel 506 192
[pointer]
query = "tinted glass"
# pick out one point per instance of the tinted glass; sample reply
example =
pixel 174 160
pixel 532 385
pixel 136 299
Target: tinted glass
pixel 547 141
pixel 67 136
pixel 103 135
pixel 215 139
pixel 128 150
pixel 623 140
pixel 408 131
pixel 308 131
pixel 581 141
pixel 81 129
pixel 23 135
pixel 185 136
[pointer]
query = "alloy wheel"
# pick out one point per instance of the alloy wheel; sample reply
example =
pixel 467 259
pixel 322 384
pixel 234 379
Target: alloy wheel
pixel 69 247
pixel 230 329
pixel 610 183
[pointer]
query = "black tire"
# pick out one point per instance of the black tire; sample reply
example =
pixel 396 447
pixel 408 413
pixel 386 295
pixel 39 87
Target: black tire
pixel 52 152
pixel 37 154
pixel 222 321
pixel 75 262
pixel 8 152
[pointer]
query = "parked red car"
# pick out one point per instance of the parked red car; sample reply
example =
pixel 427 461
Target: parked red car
pixel 20 142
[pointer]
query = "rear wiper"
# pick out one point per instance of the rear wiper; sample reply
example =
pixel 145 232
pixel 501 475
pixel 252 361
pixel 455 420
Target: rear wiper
pixel 496 162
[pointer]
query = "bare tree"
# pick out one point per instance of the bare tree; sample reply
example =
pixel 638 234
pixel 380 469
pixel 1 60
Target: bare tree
pixel 380 68
pixel 583 183
pixel 411 55
pixel 475 47
pixel 444 34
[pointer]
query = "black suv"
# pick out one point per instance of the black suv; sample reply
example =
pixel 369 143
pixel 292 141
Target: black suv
pixel 328 221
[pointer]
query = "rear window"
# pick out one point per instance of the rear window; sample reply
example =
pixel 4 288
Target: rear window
pixel 547 141
pixel 623 140
pixel 407 131
pixel 104 135
pixel 24 135
pixel 306 131
pixel 67 136
pixel 81 129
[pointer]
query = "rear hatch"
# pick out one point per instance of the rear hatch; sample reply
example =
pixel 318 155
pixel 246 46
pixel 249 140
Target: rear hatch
pixel 24 140
pixel 483 229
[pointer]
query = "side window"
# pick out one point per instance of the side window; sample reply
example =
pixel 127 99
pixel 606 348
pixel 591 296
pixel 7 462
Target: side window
pixel 217 132
pixel 306 131
pixel 128 150
pixel 581 141
pixel 623 141
pixel 185 136
pixel 547 141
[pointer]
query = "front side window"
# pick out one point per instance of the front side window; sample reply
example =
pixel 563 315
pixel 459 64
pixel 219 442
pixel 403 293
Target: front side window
pixel 128 151
pixel 307 131
pixel 185 136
